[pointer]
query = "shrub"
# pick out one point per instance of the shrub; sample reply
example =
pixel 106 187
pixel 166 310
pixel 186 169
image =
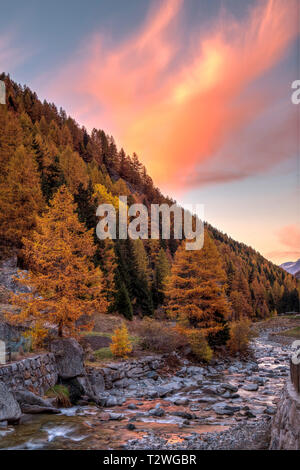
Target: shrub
pixel 160 337
pixel 199 345
pixel 240 336
pixel 121 345
pixel 36 335
pixel 61 394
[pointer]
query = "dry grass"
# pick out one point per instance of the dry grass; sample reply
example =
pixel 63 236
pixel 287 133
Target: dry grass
pixel 107 323
pixel 293 333
pixel 287 322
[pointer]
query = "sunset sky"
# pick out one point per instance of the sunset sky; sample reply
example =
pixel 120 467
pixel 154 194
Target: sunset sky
pixel 199 89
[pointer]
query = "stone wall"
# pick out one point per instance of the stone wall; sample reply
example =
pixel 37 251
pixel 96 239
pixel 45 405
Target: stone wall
pixel 37 374
pixel 285 432
pixel 123 374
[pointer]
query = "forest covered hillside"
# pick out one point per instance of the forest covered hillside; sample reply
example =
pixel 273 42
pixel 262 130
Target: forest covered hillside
pixel 43 150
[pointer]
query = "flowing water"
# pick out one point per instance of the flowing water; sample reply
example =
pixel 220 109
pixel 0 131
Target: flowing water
pixel 92 428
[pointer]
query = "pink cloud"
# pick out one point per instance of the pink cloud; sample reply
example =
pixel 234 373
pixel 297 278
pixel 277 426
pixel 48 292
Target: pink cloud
pixel 289 238
pixel 179 105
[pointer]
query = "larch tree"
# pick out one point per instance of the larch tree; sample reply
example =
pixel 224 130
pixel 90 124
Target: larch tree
pixel 141 277
pixel 240 296
pixel 259 299
pixel 74 169
pixel 21 197
pixel 66 286
pixel 162 271
pixel 11 137
pixel 121 345
pixel 109 266
pixel 195 292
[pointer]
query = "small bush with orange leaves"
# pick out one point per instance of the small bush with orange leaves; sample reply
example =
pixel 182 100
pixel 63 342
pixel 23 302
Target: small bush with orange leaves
pixel 240 336
pixel 199 345
pixel 121 345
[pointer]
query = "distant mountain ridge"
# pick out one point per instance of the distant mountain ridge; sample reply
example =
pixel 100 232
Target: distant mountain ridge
pixel 292 267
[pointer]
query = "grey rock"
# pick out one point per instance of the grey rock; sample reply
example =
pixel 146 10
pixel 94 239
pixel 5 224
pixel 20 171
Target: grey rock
pixel 183 414
pixel 211 390
pixel 132 406
pixel 97 382
pixel 69 357
pixel 251 387
pixel 9 407
pixel 270 410
pixel 116 416
pixel 181 401
pixel 135 372
pixel 157 411
pixel 229 387
pixel 207 400
pixel 123 383
pixel 152 393
pixel 131 427
pixel 36 409
pixel 26 398
pixel 111 401
pixel 152 375
pixel 224 409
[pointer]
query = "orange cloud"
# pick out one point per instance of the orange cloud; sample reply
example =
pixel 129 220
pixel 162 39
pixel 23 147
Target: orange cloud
pixel 178 103
pixel 289 237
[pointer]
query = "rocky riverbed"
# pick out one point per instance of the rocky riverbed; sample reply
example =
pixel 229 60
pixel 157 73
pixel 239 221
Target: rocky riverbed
pixel 225 406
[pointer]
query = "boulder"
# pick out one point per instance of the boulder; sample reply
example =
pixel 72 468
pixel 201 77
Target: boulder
pixel 224 409
pixel 251 387
pixel 114 401
pixel 131 427
pixel 69 357
pixel 132 406
pixel 270 410
pixel 116 416
pixel 157 411
pixel 33 404
pixel 36 409
pixel 181 401
pixel 183 414
pixel 92 384
pixel 206 399
pixel 97 383
pixel 9 407
pixel 229 387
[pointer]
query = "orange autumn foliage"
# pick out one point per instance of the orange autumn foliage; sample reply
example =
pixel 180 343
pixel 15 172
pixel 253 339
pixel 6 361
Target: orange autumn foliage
pixel 65 284
pixel 195 291
pixel 21 198
pixel 121 345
